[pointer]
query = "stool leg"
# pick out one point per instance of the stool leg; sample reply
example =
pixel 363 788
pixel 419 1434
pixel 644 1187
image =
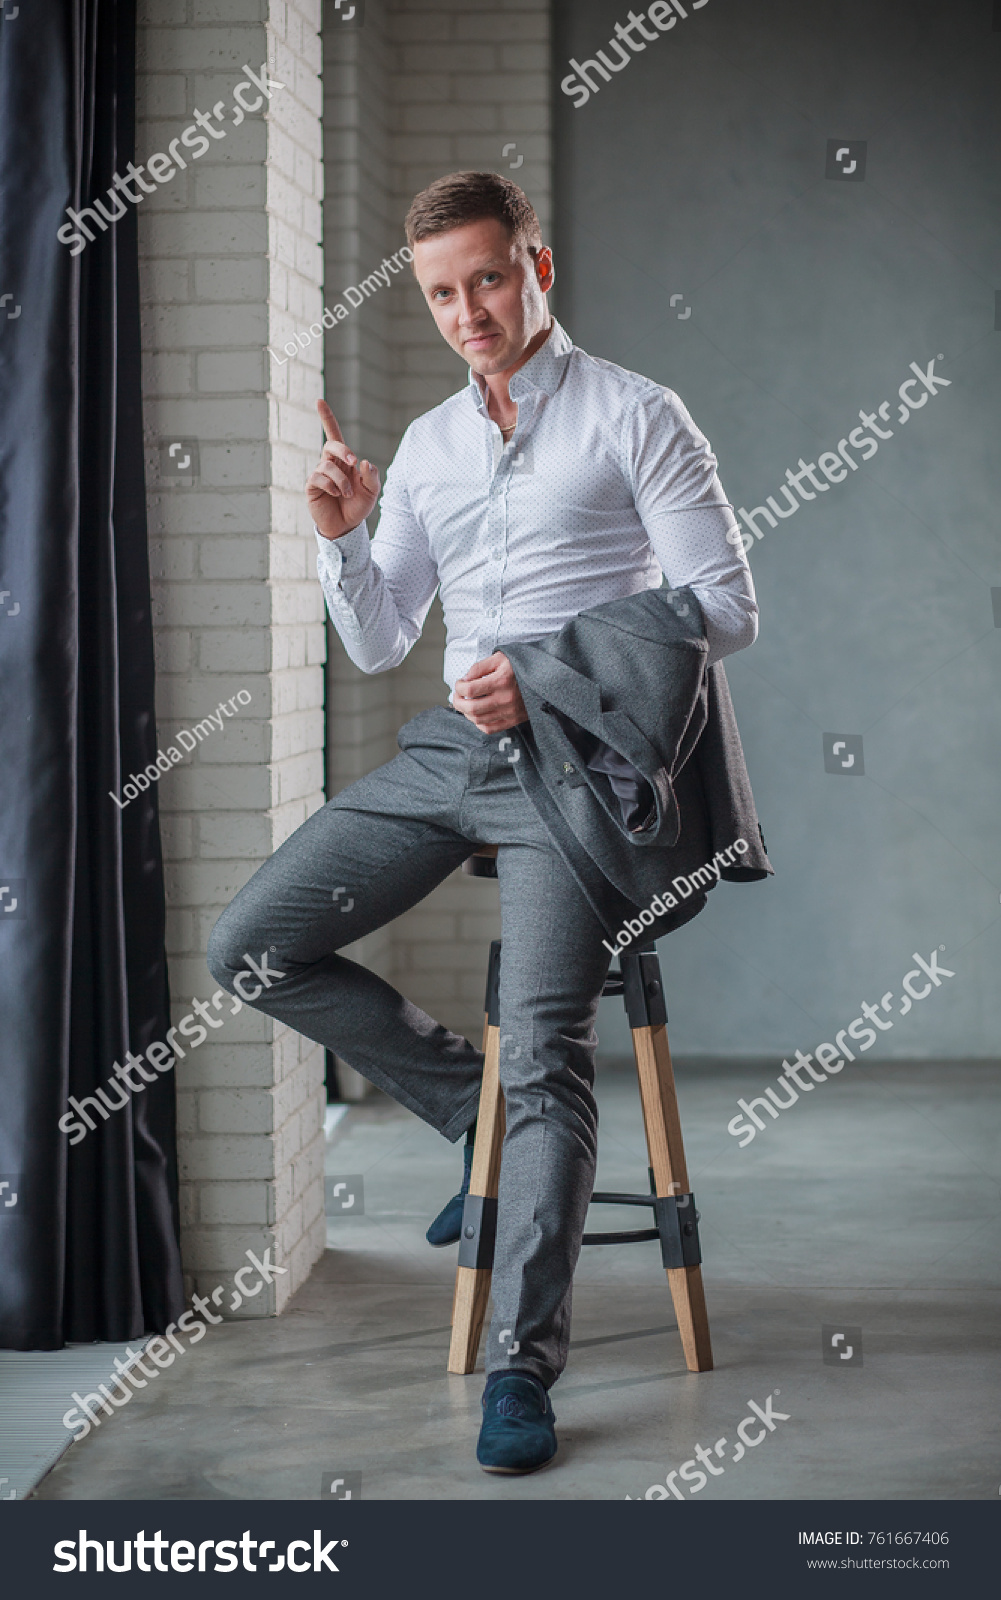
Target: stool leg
pixel 666 1145
pixel 472 1284
pixel 670 1173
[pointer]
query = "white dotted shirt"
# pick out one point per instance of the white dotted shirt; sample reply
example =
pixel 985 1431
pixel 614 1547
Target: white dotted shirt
pixel 605 485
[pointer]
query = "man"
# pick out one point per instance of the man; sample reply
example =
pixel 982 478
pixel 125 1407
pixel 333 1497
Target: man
pixel 552 483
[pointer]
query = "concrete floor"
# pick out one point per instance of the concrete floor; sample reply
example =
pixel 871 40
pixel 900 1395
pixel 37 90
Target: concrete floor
pixel 873 1203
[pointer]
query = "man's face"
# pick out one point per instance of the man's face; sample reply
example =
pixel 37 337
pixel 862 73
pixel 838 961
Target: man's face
pixel 487 294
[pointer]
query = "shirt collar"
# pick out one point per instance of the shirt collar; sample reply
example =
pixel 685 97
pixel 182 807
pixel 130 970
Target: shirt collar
pixel 544 371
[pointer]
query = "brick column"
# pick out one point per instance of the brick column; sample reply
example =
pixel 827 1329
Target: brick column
pixel 469 80
pixel 360 230
pixel 424 87
pixel 231 264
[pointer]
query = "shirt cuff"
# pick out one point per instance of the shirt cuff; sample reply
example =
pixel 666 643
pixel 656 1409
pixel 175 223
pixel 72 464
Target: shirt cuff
pixel 344 557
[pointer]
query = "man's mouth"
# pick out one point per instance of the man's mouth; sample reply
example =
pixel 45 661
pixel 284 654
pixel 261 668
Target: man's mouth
pixel 479 341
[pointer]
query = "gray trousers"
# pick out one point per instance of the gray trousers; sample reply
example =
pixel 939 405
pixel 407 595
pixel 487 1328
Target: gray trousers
pixel 366 857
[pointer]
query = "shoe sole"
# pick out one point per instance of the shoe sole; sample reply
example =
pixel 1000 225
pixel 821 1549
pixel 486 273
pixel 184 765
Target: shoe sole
pixel 517 1472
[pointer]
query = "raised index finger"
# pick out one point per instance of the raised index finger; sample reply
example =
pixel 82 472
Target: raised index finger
pixel 329 421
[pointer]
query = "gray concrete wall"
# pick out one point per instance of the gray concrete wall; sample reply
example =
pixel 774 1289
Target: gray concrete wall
pixel 699 170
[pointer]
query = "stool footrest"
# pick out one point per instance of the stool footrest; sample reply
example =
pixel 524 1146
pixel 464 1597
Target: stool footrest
pixel 677 1226
pixel 640 1236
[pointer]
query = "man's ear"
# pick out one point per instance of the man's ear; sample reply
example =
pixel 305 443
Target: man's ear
pixel 545 269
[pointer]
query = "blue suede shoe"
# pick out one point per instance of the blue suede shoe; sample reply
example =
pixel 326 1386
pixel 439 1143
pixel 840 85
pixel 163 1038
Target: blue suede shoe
pixel 519 1429
pixel 447 1225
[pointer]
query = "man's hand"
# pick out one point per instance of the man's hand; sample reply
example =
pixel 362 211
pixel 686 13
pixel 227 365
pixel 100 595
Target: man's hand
pixel 343 490
pixel 489 695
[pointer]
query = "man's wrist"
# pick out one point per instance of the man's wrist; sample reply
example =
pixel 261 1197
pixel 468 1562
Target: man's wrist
pixel 335 539
pixel 346 558
pixel 332 538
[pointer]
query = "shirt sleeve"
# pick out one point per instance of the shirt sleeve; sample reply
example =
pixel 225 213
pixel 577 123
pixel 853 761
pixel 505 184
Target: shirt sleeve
pixel 379 593
pixel 688 519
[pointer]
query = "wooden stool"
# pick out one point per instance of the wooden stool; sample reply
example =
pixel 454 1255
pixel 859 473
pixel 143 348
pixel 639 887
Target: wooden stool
pixel 638 980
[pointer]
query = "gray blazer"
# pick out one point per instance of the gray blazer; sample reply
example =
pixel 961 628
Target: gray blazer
pixel 629 679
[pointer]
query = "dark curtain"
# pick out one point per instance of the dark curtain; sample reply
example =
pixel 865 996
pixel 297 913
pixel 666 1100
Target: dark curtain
pixel 90 1249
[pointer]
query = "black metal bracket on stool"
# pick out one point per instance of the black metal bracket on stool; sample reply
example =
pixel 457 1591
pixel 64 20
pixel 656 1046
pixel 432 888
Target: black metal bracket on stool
pixel 637 979
pixel 479 1231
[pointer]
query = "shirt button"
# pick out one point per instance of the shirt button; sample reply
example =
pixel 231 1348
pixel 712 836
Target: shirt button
pixel 492 612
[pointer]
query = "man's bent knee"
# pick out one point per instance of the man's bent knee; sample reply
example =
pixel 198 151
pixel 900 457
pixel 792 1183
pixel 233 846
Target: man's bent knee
pixel 223 957
pixel 233 961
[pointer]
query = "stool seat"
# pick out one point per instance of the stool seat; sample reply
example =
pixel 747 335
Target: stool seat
pixel 482 863
pixel 639 981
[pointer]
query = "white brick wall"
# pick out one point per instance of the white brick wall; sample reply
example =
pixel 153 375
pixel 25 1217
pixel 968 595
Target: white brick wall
pixel 231 261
